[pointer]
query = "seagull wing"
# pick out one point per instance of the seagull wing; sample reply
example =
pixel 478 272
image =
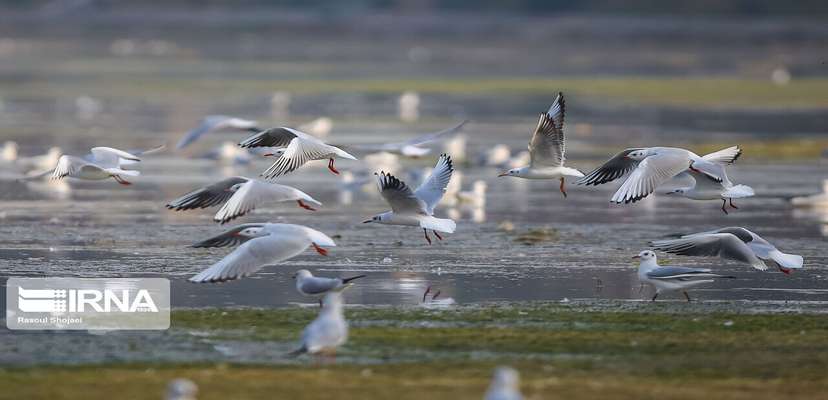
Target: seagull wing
pixel 724 245
pixel 228 238
pixel 252 194
pixel 213 123
pixel 107 157
pixel 399 196
pixel 207 196
pixel 546 149
pixel 297 153
pixel 251 256
pixel 273 137
pixel 317 285
pixel 68 166
pixel 614 168
pixel 680 273
pixel 432 189
pixel 651 172
pixel 431 137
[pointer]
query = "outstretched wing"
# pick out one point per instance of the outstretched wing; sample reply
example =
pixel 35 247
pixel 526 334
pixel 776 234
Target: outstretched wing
pixel 68 165
pixel 616 167
pixel 107 157
pixel 724 245
pixel 213 123
pixel 430 137
pixel 207 196
pixel 653 171
pixel 399 196
pixel 250 257
pixel 546 148
pixel 680 273
pixel 227 238
pixel 432 189
pixel 273 137
pixel 297 153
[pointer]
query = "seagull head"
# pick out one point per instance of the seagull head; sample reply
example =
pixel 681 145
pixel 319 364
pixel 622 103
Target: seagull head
pixel 506 377
pixel 645 255
pixel 637 155
pixel 511 172
pixel 377 219
pixel 302 274
pixel 252 232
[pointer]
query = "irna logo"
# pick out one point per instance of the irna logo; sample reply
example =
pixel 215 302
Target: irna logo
pixel 83 300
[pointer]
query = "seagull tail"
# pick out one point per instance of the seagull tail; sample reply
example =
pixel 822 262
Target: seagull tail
pixel 724 156
pixel 786 261
pixel 438 224
pixel 348 280
pixel 738 192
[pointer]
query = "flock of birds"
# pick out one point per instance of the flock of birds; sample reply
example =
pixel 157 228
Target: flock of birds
pixel 260 244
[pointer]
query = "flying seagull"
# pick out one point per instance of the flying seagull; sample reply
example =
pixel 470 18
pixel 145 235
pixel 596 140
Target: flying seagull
pixel 413 147
pixel 416 208
pixel 215 123
pixel 649 167
pixel 104 163
pixel 671 279
pixel 705 188
pixel 731 243
pixel 259 245
pixel 546 149
pixel 239 196
pixel 297 148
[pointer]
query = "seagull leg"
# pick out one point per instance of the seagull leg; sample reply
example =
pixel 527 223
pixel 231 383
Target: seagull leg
pixel 121 180
pixel 563 190
pixel 654 297
pixel 686 296
pixel 436 234
pixel 319 249
pixel 724 203
pixel 331 166
pixel 435 295
pixel 731 204
pixel 428 289
pixel 320 303
pixel 428 239
pixel 640 288
pixel 784 270
pixel 305 206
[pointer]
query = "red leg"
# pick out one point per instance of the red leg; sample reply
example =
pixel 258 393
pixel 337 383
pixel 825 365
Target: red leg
pixel 319 249
pixel 785 270
pixel 305 206
pixel 724 203
pixel 121 180
pixel 331 166
pixel 437 234
pixel 731 204
pixel 428 239
pixel 563 190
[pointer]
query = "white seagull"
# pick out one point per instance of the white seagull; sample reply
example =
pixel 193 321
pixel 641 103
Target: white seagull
pixel 413 147
pixel 297 148
pixel 328 331
pixel 705 188
pixel 181 389
pixel 260 245
pixel 317 286
pixel 505 385
pixel 731 243
pixel 240 195
pixel 416 208
pixel 671 279
pixel 214 123
pixel 104 163
pixel 546 149
pixel 652 166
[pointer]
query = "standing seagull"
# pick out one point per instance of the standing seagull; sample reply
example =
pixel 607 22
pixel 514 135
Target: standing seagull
pixel 214 123
pixel 505 385
pixel 731 243
pixel 328 331
pixel 652 166
pixel 317 286
pixel 240 195
pixel 671 279
pixel 704 188
pixel 104 163
pixel 416 208
pixel 261 244
pixel 546 149
pixel 299 148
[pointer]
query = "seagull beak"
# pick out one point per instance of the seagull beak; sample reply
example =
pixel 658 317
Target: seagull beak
pixel 367 221
pixel 636 257
pixel 268 154
pixel 503 174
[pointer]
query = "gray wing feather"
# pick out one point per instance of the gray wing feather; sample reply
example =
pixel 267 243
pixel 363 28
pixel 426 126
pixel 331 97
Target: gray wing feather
pixel 547 146
pixel 207 196
pixel 724 245
pixel 227 238
pixel 616 167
